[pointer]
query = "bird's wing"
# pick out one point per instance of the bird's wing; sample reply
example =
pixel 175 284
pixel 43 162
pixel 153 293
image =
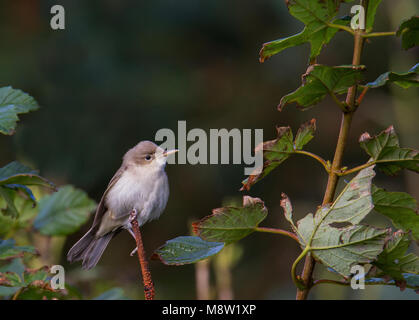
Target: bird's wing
pixel 101 208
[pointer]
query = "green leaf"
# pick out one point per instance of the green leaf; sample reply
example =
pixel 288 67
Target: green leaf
pixel 385 151
pixel 230 224
pixel 112 294
pixel 410 281
pixel 63 212
pixel 8 291
pixel 11 279
pixel 371 11
pixel 409 31
pixel 304 134
pixel 405 80
pixel 15 265
pixel 37 277
pixel 186 250
pixel 24 189
pixel 41 292
pixel 321 80
pixel 17 173
pixel 400 207
pixel 8 250
pixel 394 262
pixel 316 15
pixel 34 281
pixel 12 103
pixel 6 223
pixel 9 196
pixel 14 177
pixel 280 149
pixel 333 234
pixel 9 223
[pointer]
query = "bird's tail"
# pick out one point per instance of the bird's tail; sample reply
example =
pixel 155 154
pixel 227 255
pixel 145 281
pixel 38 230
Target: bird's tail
pixel 89 249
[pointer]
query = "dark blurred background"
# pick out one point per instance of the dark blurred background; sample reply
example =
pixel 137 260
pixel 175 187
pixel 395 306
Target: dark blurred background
pixel 121 70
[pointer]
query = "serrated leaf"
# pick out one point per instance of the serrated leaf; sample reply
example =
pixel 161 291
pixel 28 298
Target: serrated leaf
pixel 15 265
pixel 28 279
pixel 409 31
pixel 410 281
pixel 287 207
pixel 385 151
pixel 12 103
pixel 371 11
pixel 321 80
pixel 11 279
pixel 316 15
pixel 63 212
pixel 8 250
pixel 405 80
pixel 304 134
pixel 341 247
pixel 17 173
pixel 186 250
pixel 400 207
pixel 24 189
pixel 230 224
pixel 394 261
pixel 280 149
pixel 36 277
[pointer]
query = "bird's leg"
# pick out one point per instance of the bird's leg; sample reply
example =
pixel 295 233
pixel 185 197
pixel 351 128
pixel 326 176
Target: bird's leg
pixel 133 235
pixel 132 217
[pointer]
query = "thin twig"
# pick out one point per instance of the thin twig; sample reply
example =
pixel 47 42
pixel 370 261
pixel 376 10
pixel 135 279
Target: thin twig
pixel 341 27
pixel 18 292
pixel 316 157
pixel 361 96
pixel 341 105
pixel 307 275
pixel 363 166
pixel 147 280
pixel 277 231
pixel 356 169
pixel 309 154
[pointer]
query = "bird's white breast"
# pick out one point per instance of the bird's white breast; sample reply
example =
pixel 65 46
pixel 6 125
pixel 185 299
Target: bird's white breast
pixel 144 188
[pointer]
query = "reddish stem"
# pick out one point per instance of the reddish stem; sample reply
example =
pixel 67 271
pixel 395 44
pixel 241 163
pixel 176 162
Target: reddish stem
pixel 361 96
pixel 147 280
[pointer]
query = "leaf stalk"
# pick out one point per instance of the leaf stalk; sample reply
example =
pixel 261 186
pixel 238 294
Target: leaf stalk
pixel 277 231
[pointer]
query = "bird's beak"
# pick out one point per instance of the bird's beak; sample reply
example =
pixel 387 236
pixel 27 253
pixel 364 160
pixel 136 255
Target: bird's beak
pixel 169 152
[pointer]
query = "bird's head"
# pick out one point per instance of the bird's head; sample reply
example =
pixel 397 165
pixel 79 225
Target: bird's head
pixel 148 154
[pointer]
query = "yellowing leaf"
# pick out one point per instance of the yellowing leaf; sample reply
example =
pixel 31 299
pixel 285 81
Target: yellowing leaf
pixel 334 235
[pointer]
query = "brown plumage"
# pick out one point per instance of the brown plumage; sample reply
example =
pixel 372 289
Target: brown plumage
pixel 141 183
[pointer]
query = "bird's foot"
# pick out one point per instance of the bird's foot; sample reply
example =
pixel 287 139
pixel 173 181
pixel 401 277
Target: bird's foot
pixel 133 251
pixel 133 215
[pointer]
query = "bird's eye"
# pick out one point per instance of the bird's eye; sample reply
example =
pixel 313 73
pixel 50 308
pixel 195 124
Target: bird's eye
pixel 148 157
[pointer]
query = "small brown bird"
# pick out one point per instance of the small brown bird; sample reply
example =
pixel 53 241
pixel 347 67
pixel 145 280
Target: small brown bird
pixel 141 184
